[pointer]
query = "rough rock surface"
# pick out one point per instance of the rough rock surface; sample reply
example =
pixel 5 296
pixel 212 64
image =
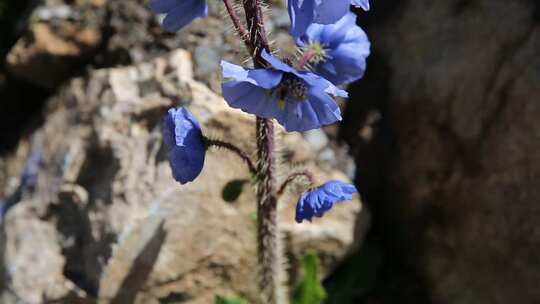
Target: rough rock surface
pixel 46 58
pixel 107 220
pixel 454 166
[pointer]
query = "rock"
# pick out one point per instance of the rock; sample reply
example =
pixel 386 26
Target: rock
pixel 116 227
pixel 317 139
pixel 453 165
pixel 59 12
pixel 46 58
pixel 33 259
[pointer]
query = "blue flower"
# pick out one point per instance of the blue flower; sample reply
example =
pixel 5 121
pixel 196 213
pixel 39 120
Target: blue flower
pixel 339 50
pixel 179 12
pixel 364 4
pixel 183 136
pixel 298 100
pixel 321 199
pixel 305 12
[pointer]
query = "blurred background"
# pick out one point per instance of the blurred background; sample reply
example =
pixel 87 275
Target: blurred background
pixel 441 136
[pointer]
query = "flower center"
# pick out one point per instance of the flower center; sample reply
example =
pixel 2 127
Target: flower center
pixel 317 52
pixel 291 88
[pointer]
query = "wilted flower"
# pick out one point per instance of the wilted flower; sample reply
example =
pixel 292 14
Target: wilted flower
pixel 182 134
pixel 179 12
pixel 305 12
pixel 298 100
pixel 338 51
pixel 317 201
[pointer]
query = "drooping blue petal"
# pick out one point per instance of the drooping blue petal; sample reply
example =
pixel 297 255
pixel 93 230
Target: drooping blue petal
pixel 250 99
pixel 183 136
pixel 299 117
pixel 326 108
pixel 316 202
pixel 179 12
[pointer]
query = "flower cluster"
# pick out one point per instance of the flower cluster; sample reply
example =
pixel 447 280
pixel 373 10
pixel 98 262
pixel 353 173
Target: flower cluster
pixel 298 93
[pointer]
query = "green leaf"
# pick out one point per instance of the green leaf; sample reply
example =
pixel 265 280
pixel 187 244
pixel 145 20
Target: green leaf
pixel 222 300
pixel 310 289
pixel 233 189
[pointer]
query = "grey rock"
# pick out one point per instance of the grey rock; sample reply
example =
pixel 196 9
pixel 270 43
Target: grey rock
pixel 207 61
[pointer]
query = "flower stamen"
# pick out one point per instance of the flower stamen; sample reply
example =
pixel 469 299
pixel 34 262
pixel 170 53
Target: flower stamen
pixel 291 88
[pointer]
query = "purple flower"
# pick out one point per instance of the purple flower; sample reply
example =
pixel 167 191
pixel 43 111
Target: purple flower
pixel 298 100
pixel 305 12
pixel 339 50
pixel 179 12
pixel 183 136
pixel 321 199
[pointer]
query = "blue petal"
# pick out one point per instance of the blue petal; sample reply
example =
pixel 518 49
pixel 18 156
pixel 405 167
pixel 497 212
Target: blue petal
pixel 276 63
pixel 330 11
pixel 163 6
pixel 184 13
pixel 316 202
pixel 321 83
pixel 333 35
pixel 264 78
pixel 326 108
pixel 183 136
pixel 301 13
pixel 346 46
pixel 250 99
pixel 364 4
pixel 299 117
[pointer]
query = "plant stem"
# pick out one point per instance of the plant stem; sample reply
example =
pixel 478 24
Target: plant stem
pixel 231 147
pixel 272 275
pixel 257 32
pixel 240 29
pixel 270 256
pixel 308 175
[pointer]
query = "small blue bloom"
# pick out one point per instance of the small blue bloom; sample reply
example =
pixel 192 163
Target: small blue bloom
pixel 305 12
pixel 179 12
pixel 340 50
pixel 321 199
pixel 183 136
pixel 298 100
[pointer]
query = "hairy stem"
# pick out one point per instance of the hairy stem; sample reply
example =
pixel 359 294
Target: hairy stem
pixel 306 174
pixel 270 255
pixel 238 26
pixel 239 152
pixel 257 32
pixel 272 274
